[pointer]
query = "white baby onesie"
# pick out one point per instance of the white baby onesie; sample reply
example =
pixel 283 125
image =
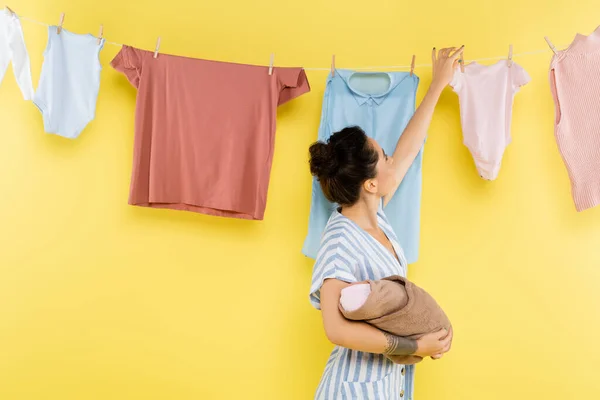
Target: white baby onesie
pixel 12 49
pixel 69 82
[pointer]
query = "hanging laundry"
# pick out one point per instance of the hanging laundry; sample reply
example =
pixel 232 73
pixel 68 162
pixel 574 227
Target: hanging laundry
pixel 12 49
pixel 204 131
pixel 382 105
pixel 575 86
pixel 486 94
pixel 69 83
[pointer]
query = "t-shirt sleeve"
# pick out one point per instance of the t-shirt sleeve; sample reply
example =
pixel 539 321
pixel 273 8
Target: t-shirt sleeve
pixel 330 264
pixel 293 83
pixel 520 77
pixel 129 62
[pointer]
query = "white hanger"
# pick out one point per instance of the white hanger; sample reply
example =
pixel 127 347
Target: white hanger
pixel 100 34
pixel 60 24
pixel 157 47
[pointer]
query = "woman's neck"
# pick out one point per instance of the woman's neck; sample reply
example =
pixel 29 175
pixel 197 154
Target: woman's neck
pixel 363 213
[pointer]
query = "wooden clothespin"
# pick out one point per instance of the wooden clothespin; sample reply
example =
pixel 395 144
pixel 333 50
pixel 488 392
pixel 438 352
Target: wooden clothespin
pixel 271 64
pixel 100 34
pixel 10 10
pixel 550 44
pixel 461 61
pixel 157 47
pixel 333 65
pixel 510 55
pixel 412 65
pixel 60 23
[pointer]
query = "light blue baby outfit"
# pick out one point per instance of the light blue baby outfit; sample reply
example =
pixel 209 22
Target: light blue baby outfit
pixel 69 83
pixel 381 104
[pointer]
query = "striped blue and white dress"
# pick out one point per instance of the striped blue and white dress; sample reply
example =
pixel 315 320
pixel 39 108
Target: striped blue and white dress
pixel 350 254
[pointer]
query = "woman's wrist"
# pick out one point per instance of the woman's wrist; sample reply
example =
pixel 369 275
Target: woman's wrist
pixel 435 89
pixel 399 346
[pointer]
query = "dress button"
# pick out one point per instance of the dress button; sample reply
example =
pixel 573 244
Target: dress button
pixel 403 371
pixel 402 393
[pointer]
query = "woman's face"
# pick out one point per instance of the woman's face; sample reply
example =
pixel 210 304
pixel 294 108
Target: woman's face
pixel 384 181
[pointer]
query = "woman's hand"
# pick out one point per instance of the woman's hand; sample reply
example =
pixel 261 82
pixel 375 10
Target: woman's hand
pixel 435 344
pixel 438 356
pixel 444 63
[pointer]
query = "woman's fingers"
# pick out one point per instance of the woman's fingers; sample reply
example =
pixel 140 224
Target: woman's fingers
pixel 443 61
pixel 446 52
pixel 449 333
pixel 447 346
pixel 458 52
pixel 449 52
pixel 441 334
pixel 445 343
pixel 433 61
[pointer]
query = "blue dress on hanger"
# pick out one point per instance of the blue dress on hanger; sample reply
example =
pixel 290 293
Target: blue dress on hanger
pixel 381 104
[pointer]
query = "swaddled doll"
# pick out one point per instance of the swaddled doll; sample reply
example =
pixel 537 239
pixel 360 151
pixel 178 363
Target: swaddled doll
pixel 394 305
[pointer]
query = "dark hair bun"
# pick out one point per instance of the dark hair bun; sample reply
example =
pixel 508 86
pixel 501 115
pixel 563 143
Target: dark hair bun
pixel 323 161
pixel 342 164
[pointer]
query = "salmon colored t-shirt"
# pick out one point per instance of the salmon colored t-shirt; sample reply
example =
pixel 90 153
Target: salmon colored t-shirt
pixel 204 131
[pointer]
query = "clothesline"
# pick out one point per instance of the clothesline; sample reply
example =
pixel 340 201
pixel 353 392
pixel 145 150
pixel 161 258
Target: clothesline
pixel 380 67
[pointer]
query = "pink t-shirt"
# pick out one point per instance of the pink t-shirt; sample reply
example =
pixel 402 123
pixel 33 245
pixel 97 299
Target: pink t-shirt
pixel 486 95
pixel 204 131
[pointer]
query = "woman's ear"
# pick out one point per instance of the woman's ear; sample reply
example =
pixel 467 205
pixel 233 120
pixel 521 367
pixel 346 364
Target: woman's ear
pixel 370 186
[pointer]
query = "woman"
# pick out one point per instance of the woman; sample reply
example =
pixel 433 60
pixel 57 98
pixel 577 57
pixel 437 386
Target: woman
pixel 358 243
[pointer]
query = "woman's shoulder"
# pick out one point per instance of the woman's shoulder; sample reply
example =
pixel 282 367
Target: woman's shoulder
pixel 338 257
pixel 338 227
pixel 340 238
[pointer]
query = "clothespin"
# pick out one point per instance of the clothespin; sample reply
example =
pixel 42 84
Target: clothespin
pixel 550 44
pixel 61 22
pixel 271 63
pixel 412 65
pixel 461 61
pixel 10 10
pixel 333 65
pixel 510 51
pixel 100 34
pixel 157 47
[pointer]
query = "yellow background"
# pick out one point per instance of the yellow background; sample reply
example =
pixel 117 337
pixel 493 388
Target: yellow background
pixel 101 300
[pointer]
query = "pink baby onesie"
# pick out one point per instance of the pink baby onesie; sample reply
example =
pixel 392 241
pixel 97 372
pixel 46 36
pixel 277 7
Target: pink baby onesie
pixel 485 94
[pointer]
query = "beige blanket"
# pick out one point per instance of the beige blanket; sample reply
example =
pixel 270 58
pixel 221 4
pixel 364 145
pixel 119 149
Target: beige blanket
pixel 398 306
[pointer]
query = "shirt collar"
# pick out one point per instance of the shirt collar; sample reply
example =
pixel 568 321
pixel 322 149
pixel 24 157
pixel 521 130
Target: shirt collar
pixel 362 98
